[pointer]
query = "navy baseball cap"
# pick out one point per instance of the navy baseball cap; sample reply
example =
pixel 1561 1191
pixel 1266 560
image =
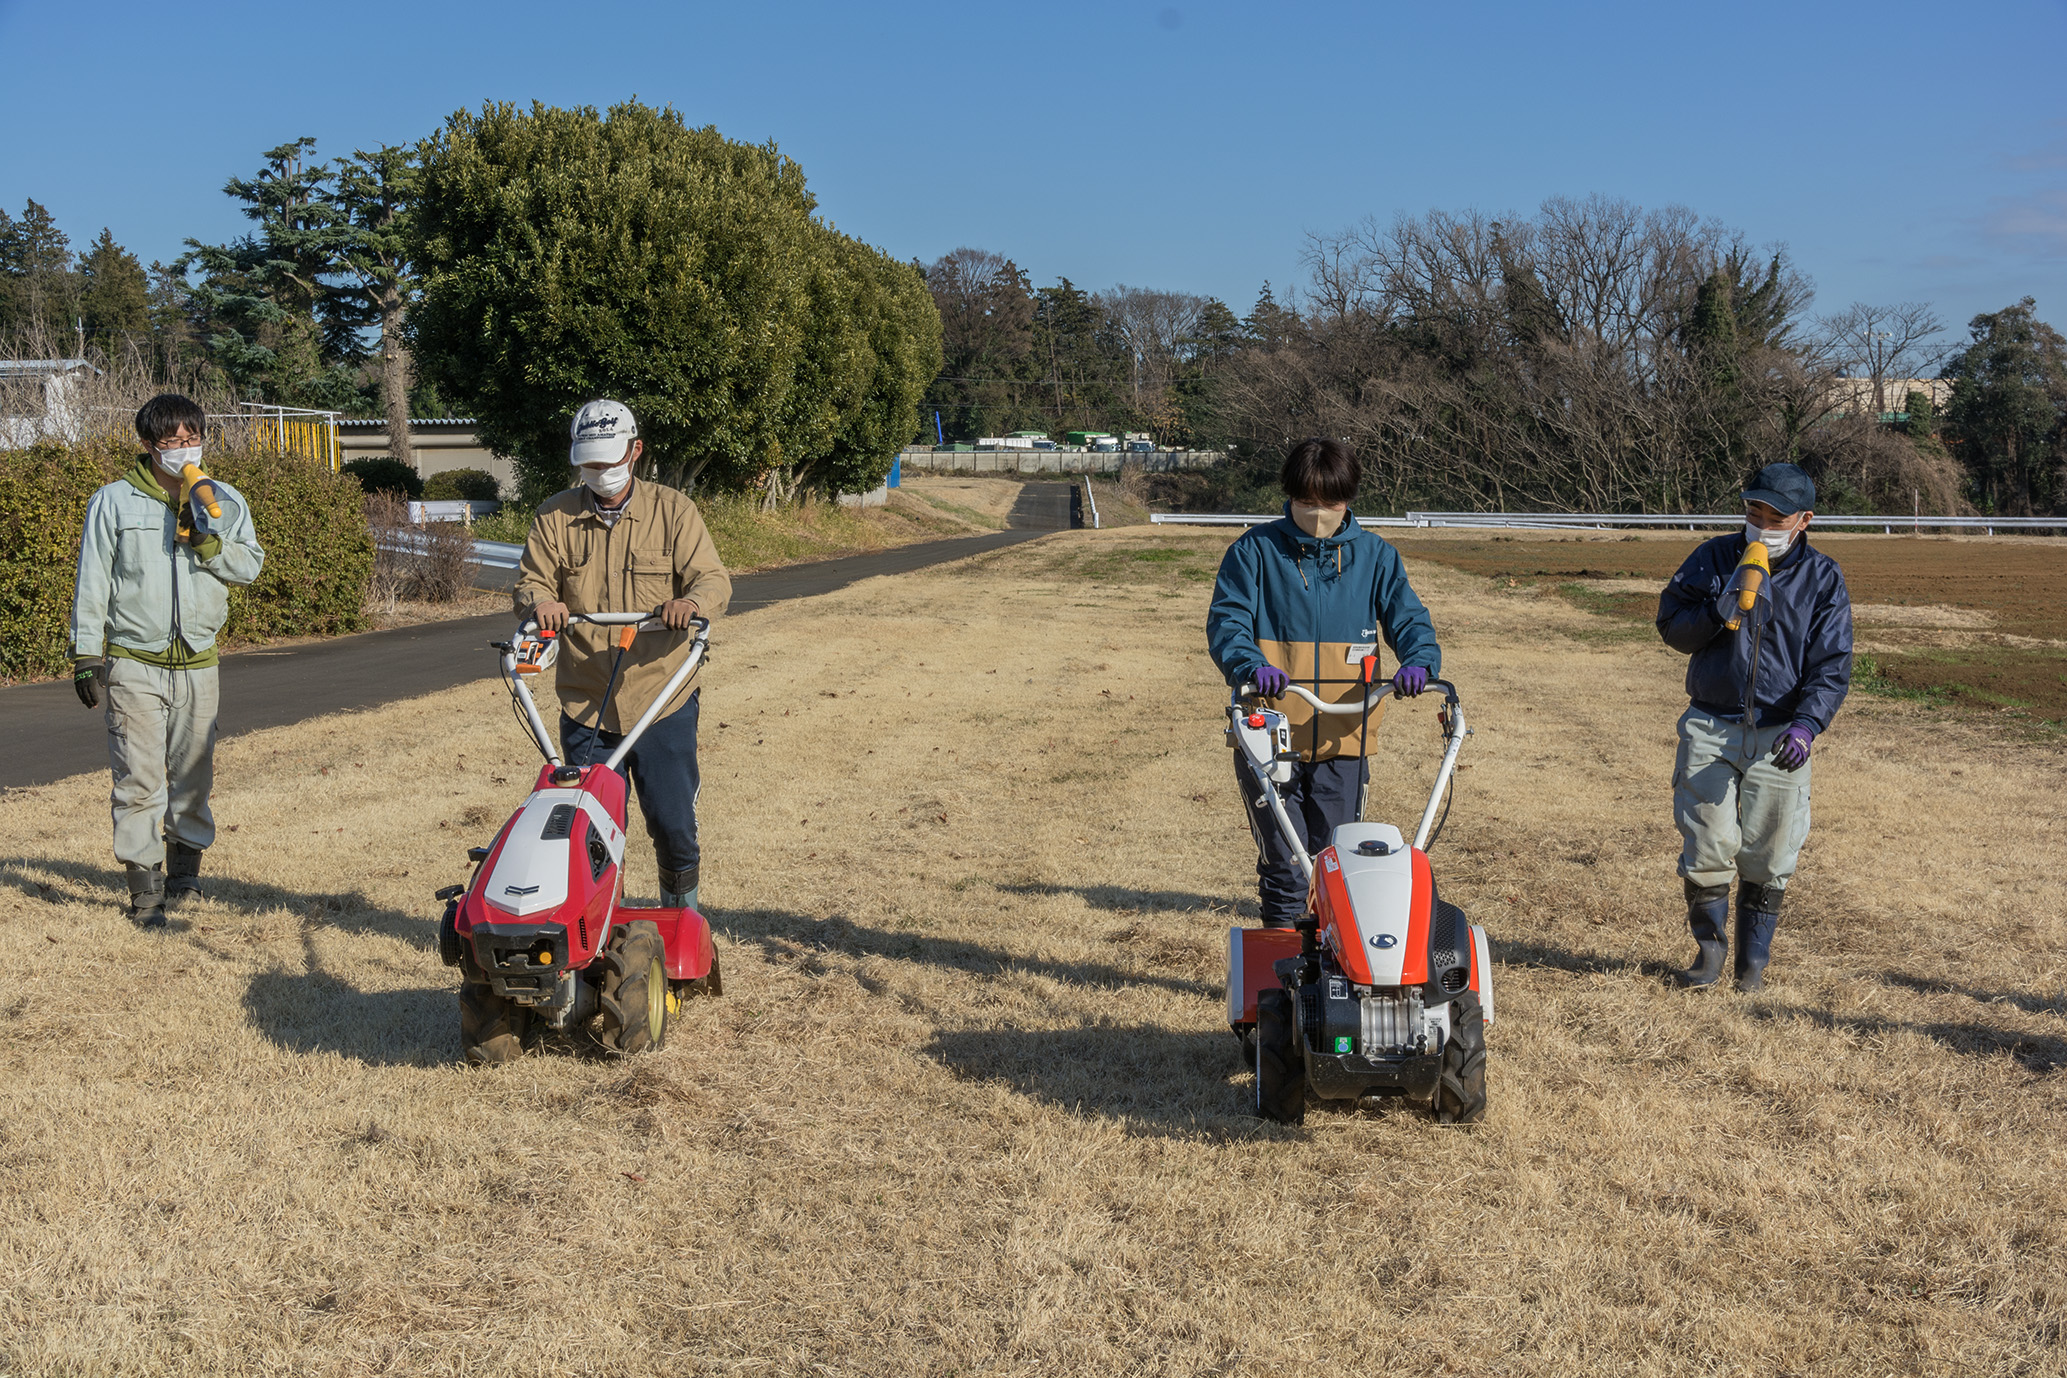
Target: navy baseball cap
pixel 1784 488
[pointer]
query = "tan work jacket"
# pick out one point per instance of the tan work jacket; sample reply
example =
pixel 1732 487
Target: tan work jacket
pixel 658 550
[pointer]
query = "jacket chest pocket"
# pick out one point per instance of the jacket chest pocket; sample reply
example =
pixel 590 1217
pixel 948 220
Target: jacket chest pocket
pixel 651 582
pixel 139 545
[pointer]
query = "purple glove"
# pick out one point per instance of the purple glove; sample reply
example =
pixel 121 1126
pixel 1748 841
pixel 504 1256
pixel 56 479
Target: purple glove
pixel 1269 680
pixel 1409 680
pixel 1791 752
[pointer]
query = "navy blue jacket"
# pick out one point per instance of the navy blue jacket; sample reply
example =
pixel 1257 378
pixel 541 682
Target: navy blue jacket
pixel 1791 661
pixel 1315 608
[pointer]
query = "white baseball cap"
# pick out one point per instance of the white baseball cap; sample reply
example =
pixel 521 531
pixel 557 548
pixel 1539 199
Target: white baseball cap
pixel 602 432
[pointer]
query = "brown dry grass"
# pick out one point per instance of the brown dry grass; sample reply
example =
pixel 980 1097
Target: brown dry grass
pixel 968 1105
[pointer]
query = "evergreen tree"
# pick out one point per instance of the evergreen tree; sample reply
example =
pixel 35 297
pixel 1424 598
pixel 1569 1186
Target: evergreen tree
pixel 38 292
pixel 374 281
pixel 269 312
pixel 570 254
pixel 2007 417
pixel 114 295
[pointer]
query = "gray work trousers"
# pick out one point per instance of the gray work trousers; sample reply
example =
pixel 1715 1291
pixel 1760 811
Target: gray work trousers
pixel 161 745
pixel 1739 815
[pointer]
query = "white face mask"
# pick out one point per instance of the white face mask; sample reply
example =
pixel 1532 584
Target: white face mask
pixel 172 461
pixel 1321 522
pixel 1773 538
pixel 607 483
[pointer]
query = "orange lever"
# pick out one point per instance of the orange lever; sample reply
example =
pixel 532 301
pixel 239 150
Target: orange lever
pixel 625 637
pixel 1370 668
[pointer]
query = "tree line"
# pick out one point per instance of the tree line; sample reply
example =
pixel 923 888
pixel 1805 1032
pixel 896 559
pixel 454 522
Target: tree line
pixel 519 262
pixel 1596 356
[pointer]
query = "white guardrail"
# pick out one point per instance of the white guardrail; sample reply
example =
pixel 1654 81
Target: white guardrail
pixel 1605 521
pixel 487 554
pixel 1091 502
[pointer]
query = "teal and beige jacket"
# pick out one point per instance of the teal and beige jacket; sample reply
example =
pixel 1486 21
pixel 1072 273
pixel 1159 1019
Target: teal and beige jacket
pixel 1315 608
pixel 143 594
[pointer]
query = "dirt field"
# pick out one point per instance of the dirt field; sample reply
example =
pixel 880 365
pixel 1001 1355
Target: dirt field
pixel 969 1104
pixel 1979 624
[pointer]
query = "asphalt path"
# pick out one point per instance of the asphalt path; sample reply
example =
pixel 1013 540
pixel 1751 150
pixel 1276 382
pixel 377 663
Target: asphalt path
pixel 1041 507
pixel 46 734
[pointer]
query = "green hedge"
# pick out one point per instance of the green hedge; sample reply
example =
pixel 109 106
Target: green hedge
pixel 319 553
pixel 383 475
pixel 472 485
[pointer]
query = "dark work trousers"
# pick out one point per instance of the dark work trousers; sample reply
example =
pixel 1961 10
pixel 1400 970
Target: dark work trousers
pixel 661 769
pixel 1322 796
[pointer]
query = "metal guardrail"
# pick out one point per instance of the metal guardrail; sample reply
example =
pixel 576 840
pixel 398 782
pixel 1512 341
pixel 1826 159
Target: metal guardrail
pixel 1091 501
pixel 448 510
pixel 1606 521
pixel 487 554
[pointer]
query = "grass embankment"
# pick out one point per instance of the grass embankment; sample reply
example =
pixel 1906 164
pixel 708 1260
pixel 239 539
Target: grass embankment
pixel 749 538
pixel 969 1103
pixel 1962 622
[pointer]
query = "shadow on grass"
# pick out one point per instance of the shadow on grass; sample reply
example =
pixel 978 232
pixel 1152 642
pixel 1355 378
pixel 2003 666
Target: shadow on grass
pixel 1120 899
pixel 2039 1053
pixel 1158 1081
pixel 2024 1000
pixel 313 1010
pixel 1522 953
pixel 767 928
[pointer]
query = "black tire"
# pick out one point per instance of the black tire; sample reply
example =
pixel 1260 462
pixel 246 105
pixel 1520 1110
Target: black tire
pixel 1460 1097
pixel 1280 1071
pixel 634 991
pixel 491 1029
pixel 1248 1038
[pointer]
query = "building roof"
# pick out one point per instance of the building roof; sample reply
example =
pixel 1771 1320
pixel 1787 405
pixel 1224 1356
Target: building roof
pixel 31 367
pixel 371 422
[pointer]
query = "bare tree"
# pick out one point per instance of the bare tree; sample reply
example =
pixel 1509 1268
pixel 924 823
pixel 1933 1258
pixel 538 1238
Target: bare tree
pixel 1885 342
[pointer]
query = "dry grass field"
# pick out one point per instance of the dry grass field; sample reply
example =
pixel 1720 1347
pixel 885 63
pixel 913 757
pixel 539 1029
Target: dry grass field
pixel 968 1105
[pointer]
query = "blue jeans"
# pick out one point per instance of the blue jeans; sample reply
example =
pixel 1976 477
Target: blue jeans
pixel 662 771
pixel 1322 796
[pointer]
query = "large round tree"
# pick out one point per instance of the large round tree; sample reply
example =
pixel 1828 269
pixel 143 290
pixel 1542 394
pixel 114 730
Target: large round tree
pixel 568 255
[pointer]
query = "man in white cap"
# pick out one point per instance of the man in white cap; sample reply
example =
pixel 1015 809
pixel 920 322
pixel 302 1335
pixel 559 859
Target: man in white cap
pixel 616 544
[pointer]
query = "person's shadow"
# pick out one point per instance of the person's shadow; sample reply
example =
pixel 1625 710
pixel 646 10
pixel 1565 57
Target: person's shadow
pixel 317 1009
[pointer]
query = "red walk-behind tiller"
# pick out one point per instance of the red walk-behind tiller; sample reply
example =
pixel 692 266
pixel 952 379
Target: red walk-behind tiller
pixel 1381 988
pixel 541 935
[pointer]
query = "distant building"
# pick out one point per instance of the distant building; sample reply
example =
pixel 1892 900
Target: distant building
pixel 435 445
pixel 1856 395
pixel 43 394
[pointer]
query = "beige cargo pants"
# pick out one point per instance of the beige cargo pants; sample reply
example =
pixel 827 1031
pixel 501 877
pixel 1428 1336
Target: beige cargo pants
pixel 161 745
pixel 1739 815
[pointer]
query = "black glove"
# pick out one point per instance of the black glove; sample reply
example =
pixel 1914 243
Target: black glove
pixel 87 678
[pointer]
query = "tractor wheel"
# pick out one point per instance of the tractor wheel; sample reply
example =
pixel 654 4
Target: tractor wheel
pixel 1280 1072
pixel 491 1029
pixel 634 992
pixel 1460 1097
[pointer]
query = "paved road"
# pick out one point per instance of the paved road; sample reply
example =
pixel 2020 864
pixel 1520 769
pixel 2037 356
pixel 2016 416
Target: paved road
pixel 48 735
pixel 1041 507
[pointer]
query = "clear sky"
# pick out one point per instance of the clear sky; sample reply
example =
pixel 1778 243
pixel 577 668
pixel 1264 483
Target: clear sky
pixel 1902 151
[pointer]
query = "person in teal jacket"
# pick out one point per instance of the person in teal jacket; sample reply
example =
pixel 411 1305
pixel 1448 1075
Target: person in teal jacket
pixel 1303 600
pixel 153 589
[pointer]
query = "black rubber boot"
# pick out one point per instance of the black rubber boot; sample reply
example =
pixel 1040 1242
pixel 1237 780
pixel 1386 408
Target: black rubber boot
pixel 1708 915
pixel 146 895
pixel 1758 915
pixel 182 873
pixel 678 888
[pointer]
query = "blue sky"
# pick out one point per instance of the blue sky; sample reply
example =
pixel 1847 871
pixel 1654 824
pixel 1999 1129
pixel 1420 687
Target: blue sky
pixel 1901 151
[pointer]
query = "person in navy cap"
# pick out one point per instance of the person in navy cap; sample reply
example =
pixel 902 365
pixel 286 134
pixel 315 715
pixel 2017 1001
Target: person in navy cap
pixel 1765 681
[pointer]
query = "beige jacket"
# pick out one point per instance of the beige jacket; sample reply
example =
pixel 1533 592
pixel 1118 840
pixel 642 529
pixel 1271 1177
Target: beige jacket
pixel 658 550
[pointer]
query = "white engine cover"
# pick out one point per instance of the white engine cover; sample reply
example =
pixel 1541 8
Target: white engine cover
pixel 530 875
pixel 1381 894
